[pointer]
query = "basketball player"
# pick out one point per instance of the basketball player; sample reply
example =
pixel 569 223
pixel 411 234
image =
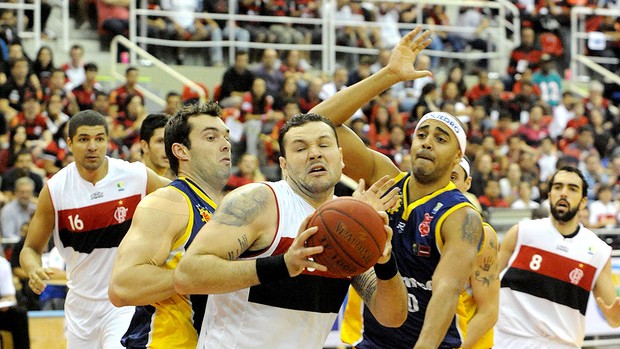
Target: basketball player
pixel 549 268
pixel 478 305
pixel 152 145
pixel 264 291
pixel 165 223
pixel 436 229
pixel 88 207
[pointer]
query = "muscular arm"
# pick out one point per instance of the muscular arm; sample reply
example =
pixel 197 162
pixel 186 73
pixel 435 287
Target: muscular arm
pixel 507 247
pixel 485 287
pixel 245 219
pixel 461 233
pixel 386 299
pixel 606 297
pixel 139 276
pixel 39 232
pixel 154 181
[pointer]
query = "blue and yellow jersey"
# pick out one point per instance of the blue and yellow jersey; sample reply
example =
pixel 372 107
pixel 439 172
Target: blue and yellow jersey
pixel 467 305
pixel 417 245
pixel 169 323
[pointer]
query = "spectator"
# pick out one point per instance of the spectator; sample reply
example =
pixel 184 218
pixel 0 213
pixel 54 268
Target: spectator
pixel 603 211
pixel 12 92
pixel 269 71
pixel 562 114
pixel 495 103
pixel 248 171
pixel 24 167
pixel 18 211
pixel 524 200
pixel 237 80
pixel 535 129
pixel 173 103
pixel 54 116
pixel 548 80
pixel 74 69
pixel 256 108
pixel 128 122
pixel 30 117
pixel 478 22
pixel 491 196
pixel 547 159
pixel 25 296
pixel 120 94
pixel 408 93
pixel 594 174
pixel 583 146
pixel 503 129
pixel 13 318
pixel 603 140
pixel 17 142
pixel 56 86
pixel 85 92
pixel 527 55
pixel 509 185
pixel 43 65
pixel 429 101
pixel 311 97
pixel 480 89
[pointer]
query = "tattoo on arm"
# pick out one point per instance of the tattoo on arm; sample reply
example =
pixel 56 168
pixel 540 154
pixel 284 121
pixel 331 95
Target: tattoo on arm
pixel 472 228
pixel 366 285
pixel 486 264
pixel 241 208
pixel 485 280
pixel 243 245
pixel 492 244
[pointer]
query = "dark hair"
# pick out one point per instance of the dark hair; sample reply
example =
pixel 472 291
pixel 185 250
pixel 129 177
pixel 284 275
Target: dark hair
pixel 130 69
pixel 575 170
pixel 151 123
pixel 300 120
pixel 177 128
pixel 86 118
pixel 91 67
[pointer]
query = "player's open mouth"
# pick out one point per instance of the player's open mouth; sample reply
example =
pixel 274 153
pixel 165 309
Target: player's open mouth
pixel 317 169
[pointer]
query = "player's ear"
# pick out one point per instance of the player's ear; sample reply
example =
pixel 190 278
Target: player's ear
pixel 282 163
pixel 180 151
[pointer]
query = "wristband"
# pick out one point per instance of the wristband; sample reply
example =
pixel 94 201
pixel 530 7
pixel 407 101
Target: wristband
pixel 387 270
pixel 271 269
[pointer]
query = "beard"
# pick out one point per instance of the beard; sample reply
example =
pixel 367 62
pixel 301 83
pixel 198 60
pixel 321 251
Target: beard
pixel 566 216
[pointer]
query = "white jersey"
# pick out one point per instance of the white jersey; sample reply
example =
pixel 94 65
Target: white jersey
pixel 546 286
pixel 294 313
pixel 91 221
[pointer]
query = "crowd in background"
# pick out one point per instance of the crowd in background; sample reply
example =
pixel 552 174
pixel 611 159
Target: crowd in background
pixel 520 125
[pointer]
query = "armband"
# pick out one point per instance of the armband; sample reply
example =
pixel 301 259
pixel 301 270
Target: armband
pixel 387 270
pixel 271 269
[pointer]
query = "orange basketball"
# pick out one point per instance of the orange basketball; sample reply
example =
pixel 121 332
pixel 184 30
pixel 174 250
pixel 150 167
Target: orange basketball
pixel 352 234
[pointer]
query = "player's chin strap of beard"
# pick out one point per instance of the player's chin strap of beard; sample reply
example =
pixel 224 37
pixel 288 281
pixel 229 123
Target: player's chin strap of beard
pixel 452 123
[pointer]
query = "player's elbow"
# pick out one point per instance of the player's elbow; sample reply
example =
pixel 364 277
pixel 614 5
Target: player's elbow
pixel 392 317
pixel 117 297
pixel 181 280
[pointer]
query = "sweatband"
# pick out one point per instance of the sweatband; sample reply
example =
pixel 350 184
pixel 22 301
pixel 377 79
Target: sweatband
pixel 271 268
pixel 387 270
pixel 465 165
pixel 449 121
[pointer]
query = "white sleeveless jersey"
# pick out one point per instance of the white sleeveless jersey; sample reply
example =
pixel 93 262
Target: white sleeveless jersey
pixel 294 313
pixel 91 221
pixel 549 278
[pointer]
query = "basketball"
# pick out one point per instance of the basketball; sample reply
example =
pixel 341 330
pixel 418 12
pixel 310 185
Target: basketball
pixel 352 234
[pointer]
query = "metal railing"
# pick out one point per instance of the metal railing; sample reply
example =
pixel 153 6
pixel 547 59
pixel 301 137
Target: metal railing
pixel 21 6
pixel 579 37
pixel 138 51
pixel 503 34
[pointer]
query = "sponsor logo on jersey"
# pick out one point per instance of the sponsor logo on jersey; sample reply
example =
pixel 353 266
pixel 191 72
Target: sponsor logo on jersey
pixel 421 250
pixel 400 227
pixel 204 213
pixel 436 208
pixel 425 226
pixel 563 248
pixel 120 186
pixel 96 195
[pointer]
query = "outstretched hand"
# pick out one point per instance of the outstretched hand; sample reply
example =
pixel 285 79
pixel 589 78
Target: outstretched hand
pixel 405 53
pixel 387 249
pixel 378 195
pixel 611 312
pixel 298 256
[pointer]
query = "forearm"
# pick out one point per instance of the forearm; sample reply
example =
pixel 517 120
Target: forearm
pixel 210 274
pixel 29 259
pixel 479 325
pixel 144 284
pixel 356 96
pixel 390 302
pixel 439 314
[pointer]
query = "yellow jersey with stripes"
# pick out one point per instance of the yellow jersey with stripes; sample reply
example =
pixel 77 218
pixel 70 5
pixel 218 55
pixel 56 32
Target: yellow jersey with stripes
pixel 170 323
